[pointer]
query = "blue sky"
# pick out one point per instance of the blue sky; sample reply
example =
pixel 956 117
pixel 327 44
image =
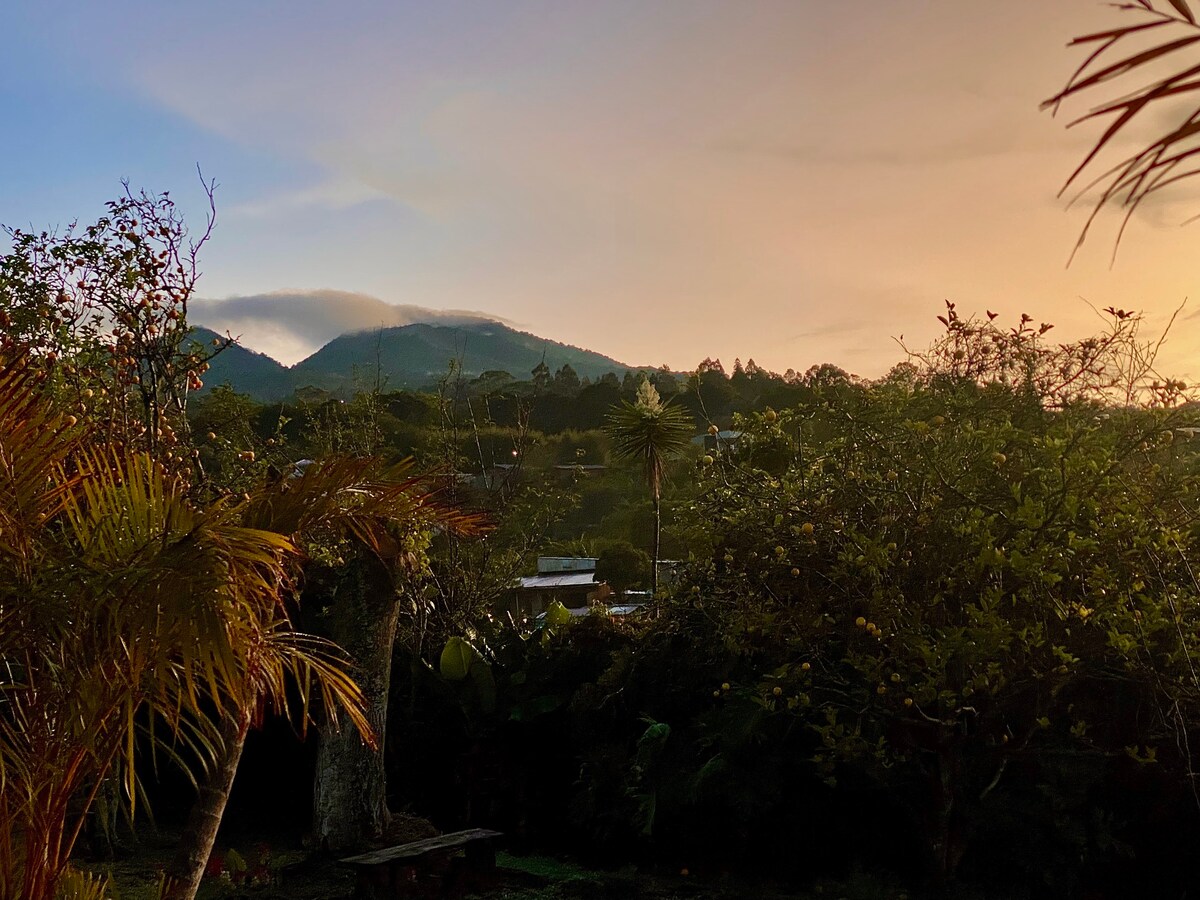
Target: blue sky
pixel 791 181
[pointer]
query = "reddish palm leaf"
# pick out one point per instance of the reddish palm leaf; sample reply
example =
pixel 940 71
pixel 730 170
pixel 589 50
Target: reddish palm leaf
pixel 1129 182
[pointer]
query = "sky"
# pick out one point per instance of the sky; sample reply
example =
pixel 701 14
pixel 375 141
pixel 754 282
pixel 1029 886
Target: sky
pixel 796 182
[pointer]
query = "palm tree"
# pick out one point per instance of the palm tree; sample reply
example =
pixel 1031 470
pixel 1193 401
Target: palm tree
pixel 383 511
pixel 651 432
pixel 125 608
pixel 1162 45
pixel 385 514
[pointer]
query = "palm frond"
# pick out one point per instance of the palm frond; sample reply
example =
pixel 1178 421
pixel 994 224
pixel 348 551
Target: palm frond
pixel 356 496
pixel 1129 182
pixel 36 440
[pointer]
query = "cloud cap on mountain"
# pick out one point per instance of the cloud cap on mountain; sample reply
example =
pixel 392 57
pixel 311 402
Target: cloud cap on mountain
pixel 291 325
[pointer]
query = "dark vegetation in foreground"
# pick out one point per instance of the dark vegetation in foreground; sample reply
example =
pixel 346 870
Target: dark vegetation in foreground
pixel 937 628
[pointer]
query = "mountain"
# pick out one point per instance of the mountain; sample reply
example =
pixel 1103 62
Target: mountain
pixel 246 371
pixel 407 356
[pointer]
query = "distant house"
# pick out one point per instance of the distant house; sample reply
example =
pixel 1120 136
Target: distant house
pixel 497 476
pixel 570 580
pixel 722 440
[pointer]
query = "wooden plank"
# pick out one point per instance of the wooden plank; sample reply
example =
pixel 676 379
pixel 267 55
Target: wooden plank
pixel 417 849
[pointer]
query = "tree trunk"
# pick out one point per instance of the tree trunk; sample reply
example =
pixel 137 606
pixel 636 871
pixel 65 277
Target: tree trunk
pixel 350 793
pixel 657 544
pixel 199 835
pixel 946 843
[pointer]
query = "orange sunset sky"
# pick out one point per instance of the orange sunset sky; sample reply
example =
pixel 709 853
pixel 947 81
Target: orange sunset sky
pixel 795 182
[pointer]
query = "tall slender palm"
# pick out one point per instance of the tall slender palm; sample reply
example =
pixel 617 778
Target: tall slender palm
pixel 1163 41
pixel 651 432
pixel 124 608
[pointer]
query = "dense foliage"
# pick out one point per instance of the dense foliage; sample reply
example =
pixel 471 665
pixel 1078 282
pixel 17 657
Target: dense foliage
pixel 938 622
pixel 941 622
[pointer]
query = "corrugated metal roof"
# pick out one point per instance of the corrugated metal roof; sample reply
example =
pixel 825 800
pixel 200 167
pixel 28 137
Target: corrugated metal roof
pixel 578 612
pixel 549 564
pixel 564 579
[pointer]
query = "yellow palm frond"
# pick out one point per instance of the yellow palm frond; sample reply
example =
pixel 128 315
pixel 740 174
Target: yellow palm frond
pixel 36 440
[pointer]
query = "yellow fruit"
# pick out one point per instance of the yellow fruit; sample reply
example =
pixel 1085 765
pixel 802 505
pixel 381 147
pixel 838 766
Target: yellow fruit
pixel 895 678
pixel 707 460
pixel 804 667
pixel 777 691
pixel 770 415
pixel 999 458
pixel 724 685
pixel 71 421
pixel 779 551
pixel 938 421
pixel 795 572
pixel 860 622
pixel 908 701
pixel 807 529
pixel 212 435
pixel 714 430
pixel 881 690
pixel 716 693
pixel 728 557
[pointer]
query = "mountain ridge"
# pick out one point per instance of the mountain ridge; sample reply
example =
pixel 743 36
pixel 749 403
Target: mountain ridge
pixel 403 356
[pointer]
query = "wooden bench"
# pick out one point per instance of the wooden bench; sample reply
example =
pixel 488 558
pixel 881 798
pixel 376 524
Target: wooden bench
pixel 428 868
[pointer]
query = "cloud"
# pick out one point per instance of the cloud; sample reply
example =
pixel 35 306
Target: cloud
pixel 290 325
pixel 330 195
pixel 829 329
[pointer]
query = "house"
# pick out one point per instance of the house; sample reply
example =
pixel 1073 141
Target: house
pixel 497 476
pixel 722 440
pixel 570 580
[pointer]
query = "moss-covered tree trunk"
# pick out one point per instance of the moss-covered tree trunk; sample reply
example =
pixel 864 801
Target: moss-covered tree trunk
pixel 350 793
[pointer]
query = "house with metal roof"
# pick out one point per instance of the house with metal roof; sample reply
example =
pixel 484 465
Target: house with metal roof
pixel 570 580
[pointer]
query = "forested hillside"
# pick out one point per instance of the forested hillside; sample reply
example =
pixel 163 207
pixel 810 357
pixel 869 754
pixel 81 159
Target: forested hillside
pixel 409 356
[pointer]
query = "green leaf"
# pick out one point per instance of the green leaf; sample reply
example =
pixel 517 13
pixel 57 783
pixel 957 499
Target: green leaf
pixel 456 660
pixel 557 614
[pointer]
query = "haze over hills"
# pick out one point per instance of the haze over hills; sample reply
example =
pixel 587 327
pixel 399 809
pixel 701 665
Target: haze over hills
pixel 407 356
